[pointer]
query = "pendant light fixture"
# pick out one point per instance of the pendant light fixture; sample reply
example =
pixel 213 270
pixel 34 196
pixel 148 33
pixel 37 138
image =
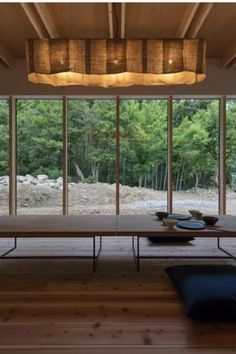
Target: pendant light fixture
pixel 116 62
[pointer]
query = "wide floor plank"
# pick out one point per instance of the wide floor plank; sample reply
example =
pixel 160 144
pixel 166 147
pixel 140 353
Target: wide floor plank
pixel 60 306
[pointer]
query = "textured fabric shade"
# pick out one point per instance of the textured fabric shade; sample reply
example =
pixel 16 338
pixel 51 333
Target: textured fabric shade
pixel 116 62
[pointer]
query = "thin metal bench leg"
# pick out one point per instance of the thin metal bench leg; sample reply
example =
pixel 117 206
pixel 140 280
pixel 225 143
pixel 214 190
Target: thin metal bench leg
pixel 133 249
pixel 100 247
pixel 96 256
pixel 138 258
pixel 134 253
pixel 10 250
pixel 94 253
pixel 223 250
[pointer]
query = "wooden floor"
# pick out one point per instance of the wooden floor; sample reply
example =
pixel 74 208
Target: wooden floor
pixel 61 307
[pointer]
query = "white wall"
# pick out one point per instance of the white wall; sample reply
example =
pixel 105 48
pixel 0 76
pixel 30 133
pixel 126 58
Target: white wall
pixel 218 82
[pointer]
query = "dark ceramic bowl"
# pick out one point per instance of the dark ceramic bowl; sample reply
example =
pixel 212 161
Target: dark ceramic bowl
pixel 161 214
pixel 210 220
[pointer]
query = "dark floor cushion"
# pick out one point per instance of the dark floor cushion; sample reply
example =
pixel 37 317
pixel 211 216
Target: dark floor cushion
pixel 169 239
pixel 208 291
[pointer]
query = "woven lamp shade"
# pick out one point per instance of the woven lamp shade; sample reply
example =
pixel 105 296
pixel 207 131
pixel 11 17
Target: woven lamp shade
pixel 116 63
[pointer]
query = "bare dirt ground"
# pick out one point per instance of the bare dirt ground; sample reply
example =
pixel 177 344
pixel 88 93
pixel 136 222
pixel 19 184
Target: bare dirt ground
pixel 99 198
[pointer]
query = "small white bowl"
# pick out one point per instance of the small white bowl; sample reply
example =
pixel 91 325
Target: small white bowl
pixel 170 223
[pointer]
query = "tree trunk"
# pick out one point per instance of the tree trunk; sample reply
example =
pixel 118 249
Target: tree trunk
pixel 196 181
pixel 140 181
pixel 177 181
pixel 79 172
pixel 86 143
pixel 156 178
pixel 181 180
pixel 216 177
pixel 95 170
pixel 160 181
pixel 165 178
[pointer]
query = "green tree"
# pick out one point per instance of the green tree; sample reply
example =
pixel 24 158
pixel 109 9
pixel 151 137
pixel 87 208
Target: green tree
pixel 4 136
pixel 39 137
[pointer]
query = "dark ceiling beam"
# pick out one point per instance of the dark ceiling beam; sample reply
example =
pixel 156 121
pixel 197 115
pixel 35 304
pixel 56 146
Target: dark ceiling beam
pixel 35 20
pixel 110 20
pixel 187 18
pixel 47 19
pixel 114 18
pixel 5 57
pixel 122 24
pixel 229 58
pixel 199 19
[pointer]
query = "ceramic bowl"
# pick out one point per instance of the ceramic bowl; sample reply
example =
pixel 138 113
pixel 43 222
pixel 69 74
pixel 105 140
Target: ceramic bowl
pixel 193 212
pixel 170 223
pixel 198 216
pixel 161 214
pixel 209 219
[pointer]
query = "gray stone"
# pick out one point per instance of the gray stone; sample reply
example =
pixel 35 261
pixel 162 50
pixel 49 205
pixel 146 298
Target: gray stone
pixel 26 182
pixel 51 184
pixel 35 181
pixel 42 177
pixel 29 178
pixel 21 178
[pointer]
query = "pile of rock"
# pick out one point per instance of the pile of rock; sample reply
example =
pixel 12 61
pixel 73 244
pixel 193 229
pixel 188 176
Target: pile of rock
pixel 40 180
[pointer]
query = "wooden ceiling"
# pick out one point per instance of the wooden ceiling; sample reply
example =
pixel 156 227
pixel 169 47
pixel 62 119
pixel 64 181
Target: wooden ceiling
pixel 216 22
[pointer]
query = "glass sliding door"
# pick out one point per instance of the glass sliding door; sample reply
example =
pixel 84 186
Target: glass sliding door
pixel 231 156
pixel 39 156
pixel 143 156
pixel 4 157
pixel 196 155
pixel 92 144
pixel 91 156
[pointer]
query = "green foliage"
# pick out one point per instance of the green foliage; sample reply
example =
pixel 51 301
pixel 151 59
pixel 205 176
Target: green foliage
pixel 91 141
pixel 143 141
pixel 195 143
pixel 89 180
pixel 39 137
pixel 4 137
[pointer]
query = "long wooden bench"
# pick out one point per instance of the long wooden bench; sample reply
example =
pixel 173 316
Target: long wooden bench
pixel 94 226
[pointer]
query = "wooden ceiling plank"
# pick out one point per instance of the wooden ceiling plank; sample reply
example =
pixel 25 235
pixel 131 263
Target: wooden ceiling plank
pixel 47 19
pixel 199 19
pixel 123 20
pixel 110 20
pixel 34 19
pixel 6 57
pixel 187 19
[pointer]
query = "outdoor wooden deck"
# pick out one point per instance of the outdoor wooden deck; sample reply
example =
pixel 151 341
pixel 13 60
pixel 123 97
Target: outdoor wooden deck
pixel 61 307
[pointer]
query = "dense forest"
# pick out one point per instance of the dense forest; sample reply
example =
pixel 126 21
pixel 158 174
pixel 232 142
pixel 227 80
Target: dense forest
pixel 143 141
